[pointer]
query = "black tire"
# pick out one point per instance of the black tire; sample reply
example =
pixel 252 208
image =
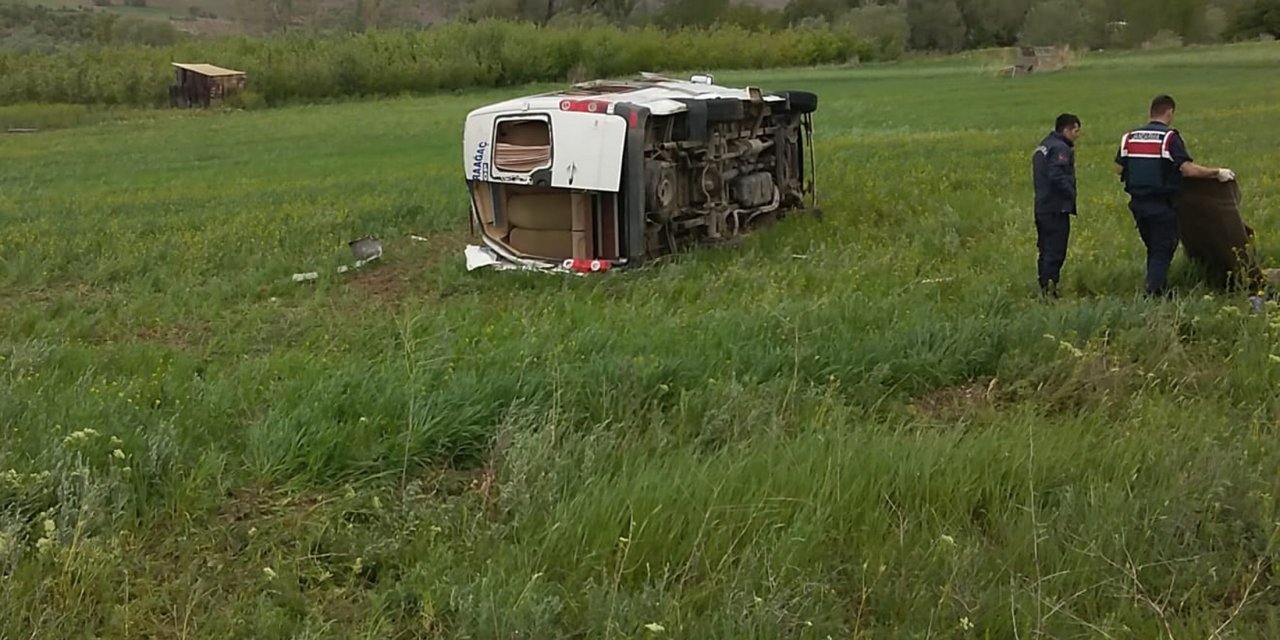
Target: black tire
pixel 725 110
pixel 800 101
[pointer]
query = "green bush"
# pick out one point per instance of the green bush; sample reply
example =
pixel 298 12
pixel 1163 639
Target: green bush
pixel 448 57
pixel 245 100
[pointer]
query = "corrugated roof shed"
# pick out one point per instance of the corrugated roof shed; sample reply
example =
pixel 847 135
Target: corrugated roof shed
pixel 208 70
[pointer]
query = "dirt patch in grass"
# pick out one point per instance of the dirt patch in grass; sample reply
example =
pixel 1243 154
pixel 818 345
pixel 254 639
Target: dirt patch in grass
pixel 179 336
pixel 251 503
pixel 956 403
pixel 79 294
pixel 387 283
pixel 247 504
pixel 405 271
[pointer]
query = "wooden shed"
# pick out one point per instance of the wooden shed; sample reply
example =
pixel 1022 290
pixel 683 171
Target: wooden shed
pixel 203 85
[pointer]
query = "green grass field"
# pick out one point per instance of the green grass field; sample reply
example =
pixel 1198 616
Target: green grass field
pixel 865 426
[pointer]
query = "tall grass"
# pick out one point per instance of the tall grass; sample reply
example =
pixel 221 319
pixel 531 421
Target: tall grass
pixel 865 426
pixel 448 57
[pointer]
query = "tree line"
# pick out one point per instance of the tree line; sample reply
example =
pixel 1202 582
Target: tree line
pixel 894 25
pixel 25 27
pixel 941 25
pixel 580 39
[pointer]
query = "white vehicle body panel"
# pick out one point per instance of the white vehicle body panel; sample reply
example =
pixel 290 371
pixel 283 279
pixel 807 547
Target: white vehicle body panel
pixel 661 97
pixel 587 151
pixel 587 147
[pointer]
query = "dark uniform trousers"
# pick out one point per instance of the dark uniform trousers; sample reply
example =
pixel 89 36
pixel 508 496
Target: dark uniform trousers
pixel 1052 232
pixel 1157 222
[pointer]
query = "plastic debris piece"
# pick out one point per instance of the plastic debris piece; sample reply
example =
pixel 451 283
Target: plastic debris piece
pixel 478 257
pixel 483 257
pixel 365 249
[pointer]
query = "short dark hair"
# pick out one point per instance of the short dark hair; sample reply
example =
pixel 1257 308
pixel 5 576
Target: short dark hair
pixel 1162 104
pixel 1066 121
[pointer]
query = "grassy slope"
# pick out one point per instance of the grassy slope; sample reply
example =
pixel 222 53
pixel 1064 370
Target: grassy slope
pixel 733 443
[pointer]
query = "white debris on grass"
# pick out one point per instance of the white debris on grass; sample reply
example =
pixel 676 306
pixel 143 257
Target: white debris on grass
pixel 369 248
pixel 483 257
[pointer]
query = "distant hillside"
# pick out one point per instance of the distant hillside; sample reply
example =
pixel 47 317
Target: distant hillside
pixel 927 25
pixel 220 17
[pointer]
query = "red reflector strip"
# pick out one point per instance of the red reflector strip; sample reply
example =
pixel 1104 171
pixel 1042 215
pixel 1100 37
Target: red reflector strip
pixel 634 119
pixel 587 266
pixel 585 106
pixel 1143 148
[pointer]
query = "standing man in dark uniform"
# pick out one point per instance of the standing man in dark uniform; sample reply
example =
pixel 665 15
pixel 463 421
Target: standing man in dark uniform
pixel 1053 171
pixel 1151 162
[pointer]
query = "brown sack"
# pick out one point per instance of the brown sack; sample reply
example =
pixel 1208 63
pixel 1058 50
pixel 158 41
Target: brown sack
pixel 1214 235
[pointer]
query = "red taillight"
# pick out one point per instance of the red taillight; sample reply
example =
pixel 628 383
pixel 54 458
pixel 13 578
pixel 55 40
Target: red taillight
pixel 587 266
pixel 585 106
pixel 634 119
